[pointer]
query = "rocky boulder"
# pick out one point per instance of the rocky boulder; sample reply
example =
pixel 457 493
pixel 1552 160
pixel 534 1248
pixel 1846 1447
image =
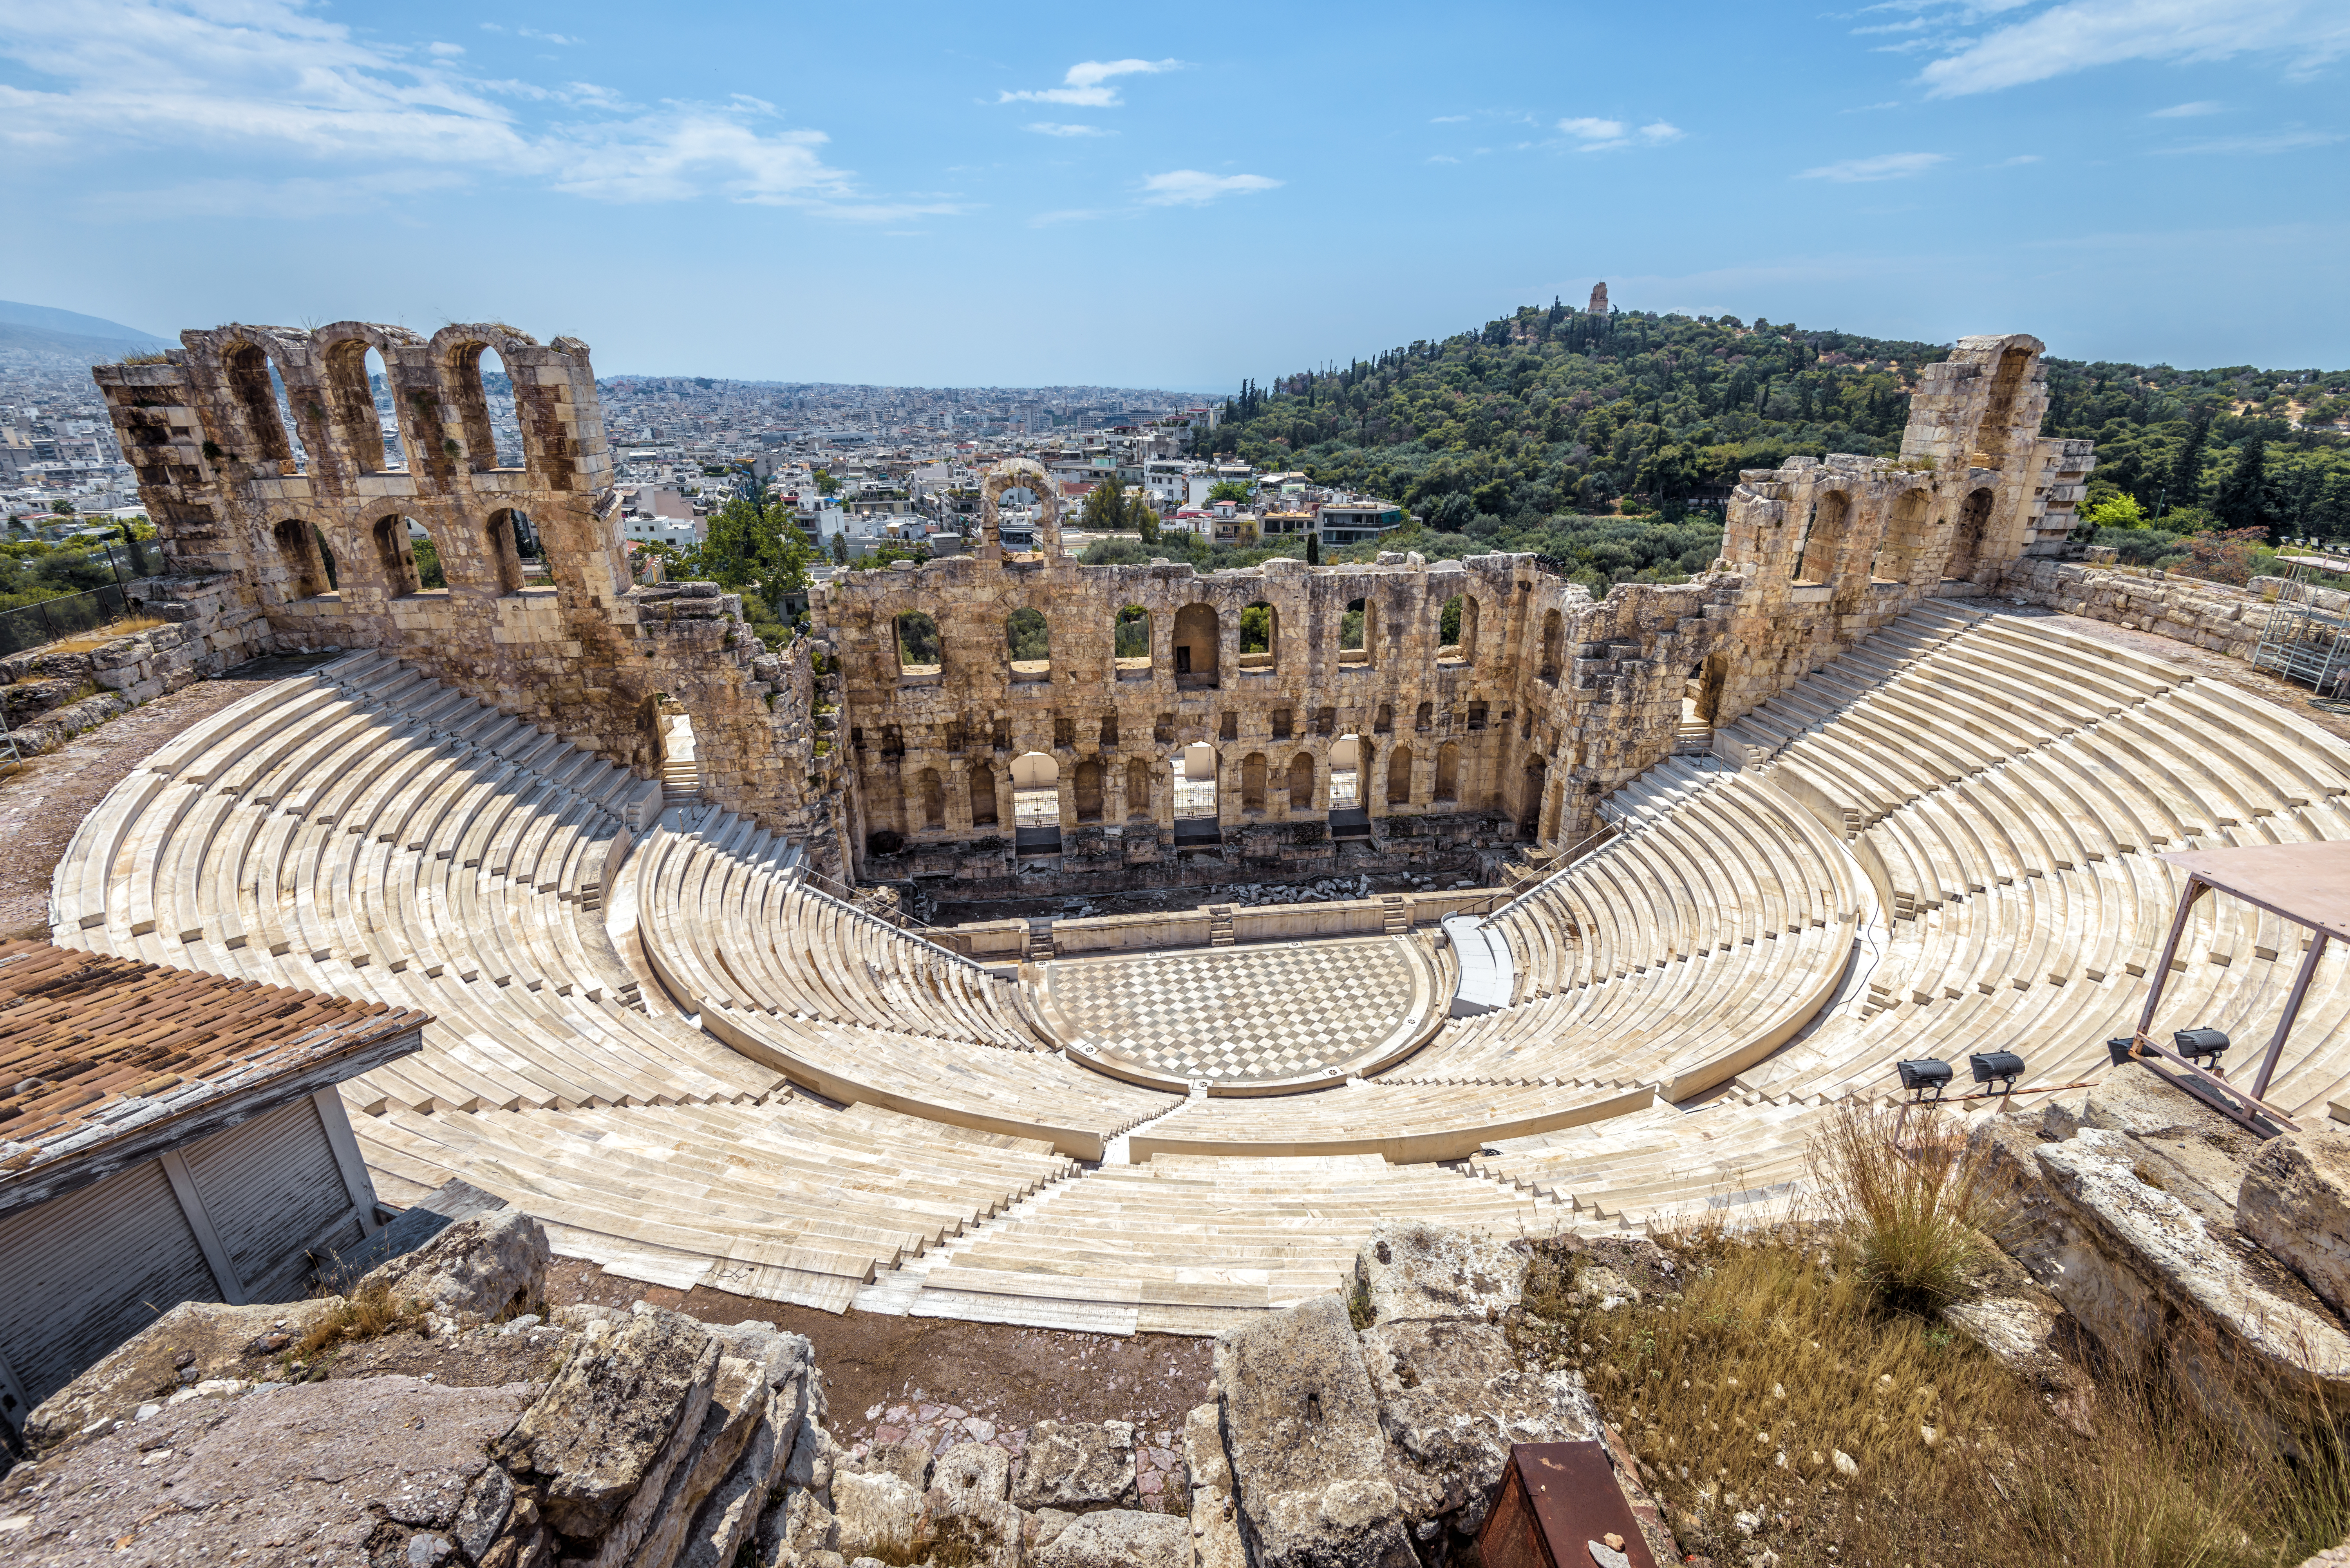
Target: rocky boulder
pixel 1409 1271
pixel 1301 1426
pixel 1077 1466
pixel 473 1271
pixel 1120 1538
pixel 2294 1201
pixel 192 1343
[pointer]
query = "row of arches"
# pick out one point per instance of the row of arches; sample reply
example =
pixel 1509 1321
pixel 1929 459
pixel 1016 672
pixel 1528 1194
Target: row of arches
pixel 1907 536
pixel 354 399
pixel 401 557
pixel 1195 649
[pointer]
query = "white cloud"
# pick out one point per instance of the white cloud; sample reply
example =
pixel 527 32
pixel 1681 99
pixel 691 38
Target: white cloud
pixel 2281 141
pixel 1604 132
pixel 1594 135
pixel 1656 133
pixel 1450 120
pixel 1065 215
pixel 1440 158
pixel 267 82
pixel 2019 161
pixel 529 33
pixel 2186 110
pixel 447 51
pixel 1085 85
pixel 1190 188
pixel 1884 166
pixel 1872 108
pixel 1049 128
pixel 2082 33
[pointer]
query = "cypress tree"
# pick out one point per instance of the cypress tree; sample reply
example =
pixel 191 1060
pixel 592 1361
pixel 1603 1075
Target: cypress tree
pixel 2242 500
pixel 2186 472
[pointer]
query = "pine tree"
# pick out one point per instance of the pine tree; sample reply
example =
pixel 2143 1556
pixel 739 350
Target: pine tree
pixel 1313 549
pixel 2243 499
pixel 2187 473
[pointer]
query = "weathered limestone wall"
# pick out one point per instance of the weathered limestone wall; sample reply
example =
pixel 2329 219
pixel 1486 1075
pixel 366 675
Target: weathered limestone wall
pixel 2212 615
pixel 584 654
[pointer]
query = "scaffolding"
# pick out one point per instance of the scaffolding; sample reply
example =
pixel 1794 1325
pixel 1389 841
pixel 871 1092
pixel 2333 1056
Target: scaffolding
pixel 2304 640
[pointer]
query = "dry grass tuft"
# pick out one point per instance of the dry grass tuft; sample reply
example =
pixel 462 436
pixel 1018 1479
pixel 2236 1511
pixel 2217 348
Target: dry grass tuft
pixel 1916 1197
pixel 90 641
pixel 371 1314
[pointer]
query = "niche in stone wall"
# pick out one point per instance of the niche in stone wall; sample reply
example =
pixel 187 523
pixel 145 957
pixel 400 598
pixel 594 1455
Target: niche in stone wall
pixel 1137 787
pixel 1085 790
pixel 1196 634
pixel 917 644
pixel 1824 533
pixel 1130 643
pixel 1301 782
pixel 1028 645
pixel 302 554
pixel 1448 772
pixel 933 791
pixel 1252 770
pixel 982 795
pixel 1260 627
pixel 1399 776
pixel 1905 539
pixel 1424 718
pixel 1384 723
pixel 1553 634
pixel 1535 775
pixel 1967 537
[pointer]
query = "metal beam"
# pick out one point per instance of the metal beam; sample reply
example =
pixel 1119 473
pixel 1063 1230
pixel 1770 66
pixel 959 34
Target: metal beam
pixel 2301 977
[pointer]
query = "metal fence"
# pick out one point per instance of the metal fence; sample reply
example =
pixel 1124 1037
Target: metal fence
pixel 33 625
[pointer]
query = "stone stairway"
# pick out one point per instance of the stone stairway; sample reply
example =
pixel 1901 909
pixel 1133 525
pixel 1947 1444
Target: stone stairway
pixel 1219 925
pixel 894 1292
pixel 1037 946
pixel 681 781
pixel 1395 915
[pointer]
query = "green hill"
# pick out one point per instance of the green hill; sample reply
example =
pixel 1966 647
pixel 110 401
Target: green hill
pixel 1539 429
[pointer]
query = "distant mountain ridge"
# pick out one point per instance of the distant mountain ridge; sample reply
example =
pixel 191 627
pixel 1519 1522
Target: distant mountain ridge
pixel 46 319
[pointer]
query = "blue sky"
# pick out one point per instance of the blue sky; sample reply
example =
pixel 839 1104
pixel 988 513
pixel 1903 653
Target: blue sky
pixel 1184 196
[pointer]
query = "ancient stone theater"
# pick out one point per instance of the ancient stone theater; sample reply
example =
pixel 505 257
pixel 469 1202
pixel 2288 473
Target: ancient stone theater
pixel 1649 882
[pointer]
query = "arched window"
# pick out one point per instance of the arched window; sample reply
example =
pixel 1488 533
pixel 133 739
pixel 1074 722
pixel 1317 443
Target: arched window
pixel 355 419
pixel 1346 773
pixel 1399 777
pixel 1086 787
pixel 1130 642
pixel 1029 643
pixel 1035 791
pixel 1905 539
pixel 933 791
pixel 500 443
pixel 250 379
pixel 1967 539
pixel 1530 797
pixel 1823 537
pixel 303 557
pixel 1252 782
pixel 1456 632
pixel 383 402
pixel 1354 633
pixel 1447 771
pixel 1384 722
pixel 1198 633
pixel 395 559
pixel 504 552
pixel 1195 780
pixel 1424 720
pixel 1137 787
pixel 1554 632
pixel 1301 782
pixel 1259 636
pixel 982 795
pixel 431 572
pixel 917 644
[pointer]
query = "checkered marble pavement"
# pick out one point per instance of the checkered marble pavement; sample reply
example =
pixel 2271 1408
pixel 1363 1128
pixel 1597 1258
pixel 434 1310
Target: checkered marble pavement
pixel 1238 1014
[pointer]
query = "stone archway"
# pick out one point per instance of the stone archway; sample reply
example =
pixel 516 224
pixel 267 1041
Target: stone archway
pixel 1014 473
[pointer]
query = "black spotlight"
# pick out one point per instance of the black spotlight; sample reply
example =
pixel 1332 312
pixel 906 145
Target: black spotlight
pixel 1924 1079
pixel 2202 1045
pixel 2001 1067
pixel 2121 1048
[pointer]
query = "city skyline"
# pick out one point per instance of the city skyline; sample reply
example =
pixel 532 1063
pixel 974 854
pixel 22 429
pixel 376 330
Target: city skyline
pixel 1142 202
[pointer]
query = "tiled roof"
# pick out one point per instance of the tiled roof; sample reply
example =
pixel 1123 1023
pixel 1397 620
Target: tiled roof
pixel 94 1048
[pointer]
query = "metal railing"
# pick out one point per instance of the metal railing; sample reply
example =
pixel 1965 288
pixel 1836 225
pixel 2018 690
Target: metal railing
pixel 1566 862
pixel 69 615
pixel 810 877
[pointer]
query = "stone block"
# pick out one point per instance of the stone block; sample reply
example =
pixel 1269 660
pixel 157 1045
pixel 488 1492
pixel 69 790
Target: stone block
pixel 473 1269
pixel 1409 1270
pixel 2294 1201
pixel 1076 1465
pixel 1120 1538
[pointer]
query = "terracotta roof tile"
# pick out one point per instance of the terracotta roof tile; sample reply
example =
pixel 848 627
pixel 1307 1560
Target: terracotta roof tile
pixel 94 1046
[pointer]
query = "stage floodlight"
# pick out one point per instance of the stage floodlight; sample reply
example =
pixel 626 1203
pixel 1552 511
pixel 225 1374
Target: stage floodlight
pixel 1924 1079
pixel 2201 1045
pixel 2002 1067
pixel 2121 1048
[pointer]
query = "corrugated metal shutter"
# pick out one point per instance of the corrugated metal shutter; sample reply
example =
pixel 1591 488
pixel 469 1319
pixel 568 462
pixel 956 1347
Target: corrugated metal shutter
pixel 270 1185
pixel 83 1273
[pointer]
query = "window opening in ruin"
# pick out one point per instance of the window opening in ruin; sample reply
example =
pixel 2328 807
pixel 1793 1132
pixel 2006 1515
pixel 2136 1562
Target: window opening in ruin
pixel 1384 723
pixel 1130 642
pixel 1447 771
pixel 1281 725
pixel 503 448
pixel 1260 623
pixel 1526 726
pixel 999 735
pixel 1252 782
pixel 1530 797
pixel 1998 408
pixel 1354 633
pixel 1346 767
pixel 1085 790
pixel 1456 632
pixel 1029 643
pixel 917 644
pixel 248 379
pixel 355 419
pixel 1137 787
pixel 1064 734
pixel 1162 732
pixel 1035 791
pixel 1110 732
pixel 298 451
pixel 1399 777
pixel 431 572
pixel 395 556
pixel 1967 537
pixel 1195 776
pixel 982 795
pixel 1476 716
pixel 934 799
pixel 1905 536
pixel 504 552
pixel 1325 721
pixel 893 741
pixel 301 552
pixel 1424 720
pixel 386 408
pixel 958 736
pixel 1198 632
pixel 1553 633
pixel 1823 533
pixel 1228 727
pixel 1301 782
